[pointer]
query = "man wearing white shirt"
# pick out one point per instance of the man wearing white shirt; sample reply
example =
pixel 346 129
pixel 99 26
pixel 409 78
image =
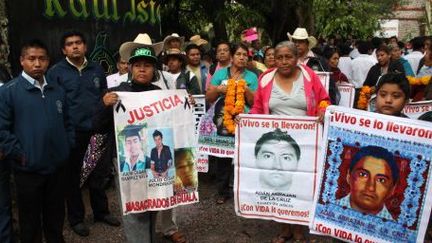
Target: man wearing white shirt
pixel 414 57
pixel 345 62
pixel 115 79
pixel 354 53
pixel 361 64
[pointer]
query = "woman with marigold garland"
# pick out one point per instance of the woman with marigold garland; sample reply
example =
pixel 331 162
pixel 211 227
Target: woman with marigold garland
pixel 240 85
pixel 291 90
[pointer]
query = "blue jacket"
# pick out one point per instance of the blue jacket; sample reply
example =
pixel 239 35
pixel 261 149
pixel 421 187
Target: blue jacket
pixel 34 128
pixel 83 90
pixel 407 67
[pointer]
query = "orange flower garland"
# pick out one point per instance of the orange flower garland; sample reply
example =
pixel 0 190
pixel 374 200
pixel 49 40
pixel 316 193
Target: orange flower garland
pixel 234 103
pixel 365 94
pixel 425 80
pixel 323 104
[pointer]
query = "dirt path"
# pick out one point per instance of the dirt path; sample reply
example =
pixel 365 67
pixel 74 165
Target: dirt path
pixel 202 222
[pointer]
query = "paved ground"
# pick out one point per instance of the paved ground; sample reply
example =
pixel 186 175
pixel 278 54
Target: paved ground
pixel 201 222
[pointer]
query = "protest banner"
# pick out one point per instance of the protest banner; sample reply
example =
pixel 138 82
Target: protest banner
pixel 276 167
pixel 347 93
pixel 155 137
pixel 213 138
pixel 415 110
pixel 325 79
pixel 374 178
pixel 199 111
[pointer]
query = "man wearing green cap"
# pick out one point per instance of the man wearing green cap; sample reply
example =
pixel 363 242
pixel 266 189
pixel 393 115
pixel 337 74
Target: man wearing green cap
pixel 142 59
pixel 135 160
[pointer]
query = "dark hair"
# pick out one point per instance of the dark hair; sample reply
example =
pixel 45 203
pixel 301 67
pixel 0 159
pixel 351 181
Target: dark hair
pixel 117 57
pixel 277 135
pixel 224 43
pixel 395 78
pixel 383 48
pixel 344 49
pixel 329 52
pixel 192 46
pixel 237 46
pixel 179 152
pixel 157 133
pixel 70 34
pixel 401 45
pixel 393 37
pixel 35 43
pixel 267 49
pixel 379 153
pixel 417 43
pixel 376 42
pixel 363 47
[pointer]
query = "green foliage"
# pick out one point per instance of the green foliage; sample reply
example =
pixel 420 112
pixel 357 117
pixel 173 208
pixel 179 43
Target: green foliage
pixel 358 18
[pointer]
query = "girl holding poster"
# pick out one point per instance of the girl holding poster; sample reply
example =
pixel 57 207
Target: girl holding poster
pixel 291 90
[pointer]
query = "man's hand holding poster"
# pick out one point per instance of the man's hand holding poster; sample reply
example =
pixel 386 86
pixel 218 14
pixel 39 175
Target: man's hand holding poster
pixel 155 135
pixel 275 167
pixel 375 184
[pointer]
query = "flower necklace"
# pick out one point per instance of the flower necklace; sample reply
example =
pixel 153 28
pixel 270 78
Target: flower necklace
pixel 425 80
pixel 365 94
pixel 234 102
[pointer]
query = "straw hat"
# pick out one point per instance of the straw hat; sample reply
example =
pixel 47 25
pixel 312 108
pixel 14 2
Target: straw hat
pixel 173 36
pixel 175 52
pixel 197 40
pixel 142 40
pixel 302 34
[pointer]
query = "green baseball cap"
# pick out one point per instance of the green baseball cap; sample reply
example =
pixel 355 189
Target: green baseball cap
pixel 143 52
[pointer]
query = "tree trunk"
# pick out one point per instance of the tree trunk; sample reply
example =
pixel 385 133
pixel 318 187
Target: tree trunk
pixel 212 8
pixel 282 13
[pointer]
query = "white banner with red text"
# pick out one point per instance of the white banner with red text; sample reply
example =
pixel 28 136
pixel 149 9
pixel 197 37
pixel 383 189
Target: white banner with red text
pixel 156 141
pixel 375 180
pixel 276 161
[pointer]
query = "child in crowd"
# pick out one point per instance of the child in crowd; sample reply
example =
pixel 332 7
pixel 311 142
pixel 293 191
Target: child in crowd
pixel 392 94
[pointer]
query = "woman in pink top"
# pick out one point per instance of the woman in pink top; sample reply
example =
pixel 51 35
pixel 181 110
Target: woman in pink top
pixel 291 90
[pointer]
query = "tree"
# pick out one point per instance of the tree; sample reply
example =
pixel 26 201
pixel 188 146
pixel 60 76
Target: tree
pixel 228 18
pixel 359 18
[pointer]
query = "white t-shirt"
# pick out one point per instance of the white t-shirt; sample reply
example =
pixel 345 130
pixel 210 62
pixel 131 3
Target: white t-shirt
pixel 360 69
pixel 414 59
pixel 116 79
pixel 345 65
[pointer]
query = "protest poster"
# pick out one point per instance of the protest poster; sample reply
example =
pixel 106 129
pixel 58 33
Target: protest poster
pixel 155 137
pixel 213 138
pixel 199 111
pixel 347 93
pixel 275 173
pixel 325 79
pixel 374 178
pixel 415 110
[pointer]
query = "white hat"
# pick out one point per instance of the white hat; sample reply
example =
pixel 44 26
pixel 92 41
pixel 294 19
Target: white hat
pixel 173 36
pixel 302 34
pixel 141 40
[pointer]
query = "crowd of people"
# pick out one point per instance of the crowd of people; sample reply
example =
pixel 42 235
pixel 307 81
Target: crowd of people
pixel 48 114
